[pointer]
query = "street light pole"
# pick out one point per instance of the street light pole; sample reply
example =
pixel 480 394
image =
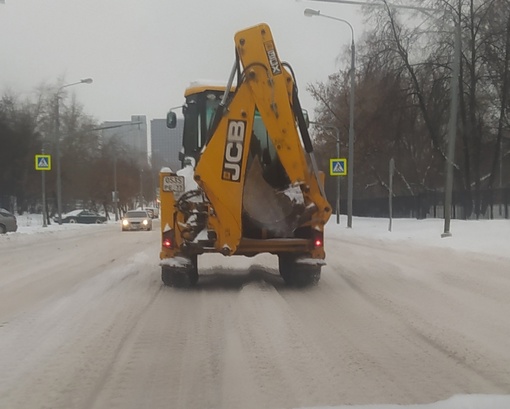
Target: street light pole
pixel 350 160
pixel 57 136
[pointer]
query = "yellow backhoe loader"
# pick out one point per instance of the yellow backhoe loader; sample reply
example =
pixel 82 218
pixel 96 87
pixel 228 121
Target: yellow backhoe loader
pixel 249 182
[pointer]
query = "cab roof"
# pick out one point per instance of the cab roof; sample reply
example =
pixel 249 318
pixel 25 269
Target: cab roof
pixel 197 87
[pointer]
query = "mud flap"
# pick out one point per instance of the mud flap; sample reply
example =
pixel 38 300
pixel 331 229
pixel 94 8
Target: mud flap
pixel 299 274
pixel 180 275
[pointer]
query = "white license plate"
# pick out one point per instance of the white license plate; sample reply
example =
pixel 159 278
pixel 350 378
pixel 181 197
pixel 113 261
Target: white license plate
pixel 173 184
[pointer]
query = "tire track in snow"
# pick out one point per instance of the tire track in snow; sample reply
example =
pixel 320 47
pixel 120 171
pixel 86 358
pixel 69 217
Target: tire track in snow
pixel 281 362
pixel 445 317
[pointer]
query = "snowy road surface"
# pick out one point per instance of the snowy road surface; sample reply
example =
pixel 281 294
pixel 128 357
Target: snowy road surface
pixel 86 323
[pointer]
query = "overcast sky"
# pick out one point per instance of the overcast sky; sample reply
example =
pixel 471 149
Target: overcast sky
pixel 142 54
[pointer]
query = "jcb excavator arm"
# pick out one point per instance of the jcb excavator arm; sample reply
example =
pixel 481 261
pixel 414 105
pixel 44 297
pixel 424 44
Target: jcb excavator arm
pixel 265 86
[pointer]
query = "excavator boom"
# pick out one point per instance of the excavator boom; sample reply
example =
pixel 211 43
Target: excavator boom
pixel 268 88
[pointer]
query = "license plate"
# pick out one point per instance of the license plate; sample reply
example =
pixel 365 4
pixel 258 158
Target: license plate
pixel 173 184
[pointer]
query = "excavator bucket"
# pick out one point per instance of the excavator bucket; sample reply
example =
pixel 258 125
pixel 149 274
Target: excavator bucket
pixel 267 209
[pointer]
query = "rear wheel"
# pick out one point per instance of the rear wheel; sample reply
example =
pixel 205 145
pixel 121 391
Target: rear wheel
pixel 298 274
pixel 3 229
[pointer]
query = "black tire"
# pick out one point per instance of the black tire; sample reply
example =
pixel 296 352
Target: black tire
pixel 3 229
pixel 99 221
pixel 72 220
pixel 167 276
pixel 296 274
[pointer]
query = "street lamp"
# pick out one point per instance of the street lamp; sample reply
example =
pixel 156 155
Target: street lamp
pixel 337 131
pixel 350 160
pixel 454 103
pixel 57 135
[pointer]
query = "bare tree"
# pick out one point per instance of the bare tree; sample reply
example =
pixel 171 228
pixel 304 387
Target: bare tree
pixel 404 79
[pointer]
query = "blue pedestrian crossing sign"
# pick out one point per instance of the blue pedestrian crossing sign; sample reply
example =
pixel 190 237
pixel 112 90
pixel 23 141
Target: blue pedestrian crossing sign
pixel 338 167
pixel 42 162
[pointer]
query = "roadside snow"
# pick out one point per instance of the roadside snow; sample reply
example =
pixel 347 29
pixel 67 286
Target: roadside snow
pixel 32 224
pixel 455 402
pixel 480 236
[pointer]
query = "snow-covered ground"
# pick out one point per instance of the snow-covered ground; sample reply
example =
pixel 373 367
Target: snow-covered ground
pixel 403 316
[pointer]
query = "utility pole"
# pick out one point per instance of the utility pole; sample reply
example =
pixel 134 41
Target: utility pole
pixel 350 160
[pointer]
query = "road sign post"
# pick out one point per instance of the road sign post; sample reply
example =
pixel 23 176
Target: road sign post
pixel 43 163
pixel 338 167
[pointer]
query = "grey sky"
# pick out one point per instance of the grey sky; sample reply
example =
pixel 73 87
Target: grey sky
pixel 142 54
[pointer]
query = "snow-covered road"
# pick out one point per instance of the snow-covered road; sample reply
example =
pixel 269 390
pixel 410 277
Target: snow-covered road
pixel 86 323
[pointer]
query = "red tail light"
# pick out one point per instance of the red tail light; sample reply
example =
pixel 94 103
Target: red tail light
pixel 168 239
pixel 318 239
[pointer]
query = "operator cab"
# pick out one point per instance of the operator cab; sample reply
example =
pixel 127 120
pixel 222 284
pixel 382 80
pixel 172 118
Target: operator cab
pixel 199 109
pixel 202 102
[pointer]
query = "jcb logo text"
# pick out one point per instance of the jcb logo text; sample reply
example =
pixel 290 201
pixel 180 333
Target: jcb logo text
pixel 233 158
pixel 273 58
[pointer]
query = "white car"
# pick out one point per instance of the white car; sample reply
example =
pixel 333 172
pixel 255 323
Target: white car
pixel 153 212
pixel 136 220
pixel 7 221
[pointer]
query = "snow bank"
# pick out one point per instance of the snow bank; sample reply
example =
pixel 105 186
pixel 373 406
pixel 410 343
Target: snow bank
pixel 481 236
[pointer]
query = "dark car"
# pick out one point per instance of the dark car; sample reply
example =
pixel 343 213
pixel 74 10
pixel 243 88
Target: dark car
pixel 82 216
pixel 7 222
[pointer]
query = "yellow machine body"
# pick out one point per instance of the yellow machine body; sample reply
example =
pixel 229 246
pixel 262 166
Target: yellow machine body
pixel 258 188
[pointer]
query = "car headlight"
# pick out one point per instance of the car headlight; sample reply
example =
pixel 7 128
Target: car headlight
pixel 125 222
pixel 145 222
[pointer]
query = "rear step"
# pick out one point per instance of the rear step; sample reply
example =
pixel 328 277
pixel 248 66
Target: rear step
pixel 275 246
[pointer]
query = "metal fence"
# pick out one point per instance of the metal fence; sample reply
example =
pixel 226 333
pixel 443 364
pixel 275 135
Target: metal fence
pixel 495 205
